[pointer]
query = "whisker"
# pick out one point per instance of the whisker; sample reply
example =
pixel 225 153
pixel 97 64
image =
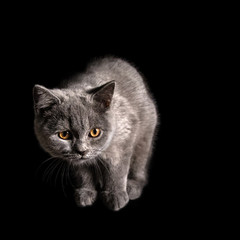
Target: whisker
pixel 68 174
pixel 99 172
pixel 51 172
pixel 62 178
pixel 56 176
pixel 49 169
pixel 104 165
pixel 41 165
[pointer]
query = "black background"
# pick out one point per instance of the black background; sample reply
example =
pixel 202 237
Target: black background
pixel 175 47
pixel 47 56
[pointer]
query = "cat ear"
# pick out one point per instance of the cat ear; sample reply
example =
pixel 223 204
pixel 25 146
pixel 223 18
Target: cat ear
pixel 43 98
pixel 103 96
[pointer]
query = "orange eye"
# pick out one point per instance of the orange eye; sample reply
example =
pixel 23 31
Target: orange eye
pixel 95 132
pixel 65 135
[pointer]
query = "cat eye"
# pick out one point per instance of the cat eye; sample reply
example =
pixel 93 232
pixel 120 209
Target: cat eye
pixel 95 132
pixel 65 135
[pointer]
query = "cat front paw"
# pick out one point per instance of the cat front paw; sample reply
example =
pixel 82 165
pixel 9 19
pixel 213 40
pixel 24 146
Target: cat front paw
pixel 115 200
pixel 85 197
pixel 134 189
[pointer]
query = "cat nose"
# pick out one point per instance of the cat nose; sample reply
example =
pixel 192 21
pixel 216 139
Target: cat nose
pixel 81 149
pixel 82 152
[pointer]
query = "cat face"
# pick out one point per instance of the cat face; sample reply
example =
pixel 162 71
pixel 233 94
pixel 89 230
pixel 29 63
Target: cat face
pixel 73 126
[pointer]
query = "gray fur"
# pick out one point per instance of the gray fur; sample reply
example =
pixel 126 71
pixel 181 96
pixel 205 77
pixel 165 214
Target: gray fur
pixel 112 96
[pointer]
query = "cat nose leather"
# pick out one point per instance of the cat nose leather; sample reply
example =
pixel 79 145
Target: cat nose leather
pixel 82 152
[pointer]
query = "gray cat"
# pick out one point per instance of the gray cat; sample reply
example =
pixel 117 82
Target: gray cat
pixel 102 122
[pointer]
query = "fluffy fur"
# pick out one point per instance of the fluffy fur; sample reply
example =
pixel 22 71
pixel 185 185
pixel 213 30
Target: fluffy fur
pixel 112 96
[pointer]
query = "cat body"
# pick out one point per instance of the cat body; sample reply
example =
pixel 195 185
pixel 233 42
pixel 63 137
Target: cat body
pixel 103 119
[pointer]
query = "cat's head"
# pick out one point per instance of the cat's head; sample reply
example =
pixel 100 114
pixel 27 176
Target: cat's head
pixel 74 125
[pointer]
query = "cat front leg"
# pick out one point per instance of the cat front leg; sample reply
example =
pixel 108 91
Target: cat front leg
pixel 114 194
pixel 115 200
pixel 85 197
pixel 85 193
